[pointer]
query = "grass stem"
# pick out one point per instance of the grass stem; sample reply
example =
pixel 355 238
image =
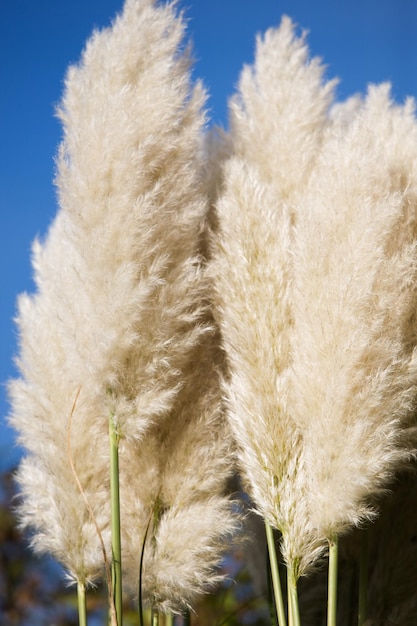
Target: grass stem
pixel 115 521
pixel 293 610
pixel 276 583
pixel 332 581
pixel 82 605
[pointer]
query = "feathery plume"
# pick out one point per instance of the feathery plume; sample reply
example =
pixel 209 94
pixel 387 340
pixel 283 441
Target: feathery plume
pixel 277 121
pixel 186 465
pixel 120 302
pixel 315 273
pixel 353 379
pixel 277 116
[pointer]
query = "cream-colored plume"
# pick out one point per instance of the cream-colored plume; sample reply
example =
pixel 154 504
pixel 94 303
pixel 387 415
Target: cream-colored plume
pixel 278 115
pixel 121 300
pixel 353 382
pixel 277 123
pixel 315 267
pixel 183 494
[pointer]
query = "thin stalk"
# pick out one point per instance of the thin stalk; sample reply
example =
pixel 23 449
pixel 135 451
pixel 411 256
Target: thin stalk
pixel 169 619
pixel 116 569
pixel 276 583
pixel 293 610
pixel 140 593
pixel 271 603
pixel 82 604
pixel 332 581
pixel 155 618
pixel 363 578
pixel 113 618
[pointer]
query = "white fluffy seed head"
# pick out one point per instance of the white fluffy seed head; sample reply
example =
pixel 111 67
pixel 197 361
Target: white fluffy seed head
pixel 121 295
pixel 186 466
pixel 314 262
pixel 353 380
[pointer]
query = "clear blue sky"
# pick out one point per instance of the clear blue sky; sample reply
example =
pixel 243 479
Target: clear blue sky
pixel 361 41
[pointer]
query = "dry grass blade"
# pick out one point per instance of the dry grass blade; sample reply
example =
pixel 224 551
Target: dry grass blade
pixel 113 617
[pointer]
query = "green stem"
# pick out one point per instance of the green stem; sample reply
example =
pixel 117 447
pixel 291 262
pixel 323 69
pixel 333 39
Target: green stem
pixel 293 610
pixel 363 578
pixel 140 593
pixel 155 618
pixel 116 569
pixel 169 619
pixel 289 599
pixel 82 605
pixel 276 583
pixel 332 581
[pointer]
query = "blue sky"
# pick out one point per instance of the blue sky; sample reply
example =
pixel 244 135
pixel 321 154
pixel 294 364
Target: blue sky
pixel 361 42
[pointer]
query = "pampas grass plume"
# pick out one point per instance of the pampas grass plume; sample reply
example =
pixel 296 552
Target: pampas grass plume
pixel 315 272
pixel 120 301
pixel 353 379
pixel 186 467
pixel 277 120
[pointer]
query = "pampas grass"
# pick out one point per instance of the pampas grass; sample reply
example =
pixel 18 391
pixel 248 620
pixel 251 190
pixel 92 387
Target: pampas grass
pixel 353 381
pixel 253 271
pixel 121 321
pixel 203 298
pixel 314 262
pixel 185 466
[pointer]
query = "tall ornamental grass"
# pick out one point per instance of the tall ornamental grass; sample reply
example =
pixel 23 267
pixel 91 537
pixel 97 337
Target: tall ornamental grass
pixel 213 306
pixel 120 330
